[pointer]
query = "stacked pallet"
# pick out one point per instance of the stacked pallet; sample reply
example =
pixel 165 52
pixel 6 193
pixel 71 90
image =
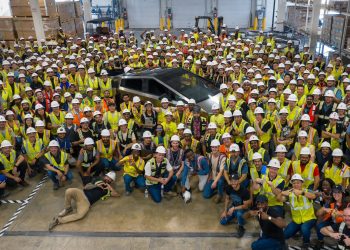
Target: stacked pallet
pixel 66 11
pixel 22 8
pixel 296 17
pixel 79 20
pixel 6 29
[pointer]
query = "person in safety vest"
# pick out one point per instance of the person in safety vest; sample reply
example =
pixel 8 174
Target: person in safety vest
pixel 194 165
pixel 56 163
pixel 209 136
pixel 281 152
pixel 332 132
pixel 88 162
pixel 340 232
pixel 98 189
pixel 307 169
pixel 301 143
pixel 13 167
pixel 331 213
pixel 108 151
pixel 188 142
pixel 237 200
pixel 216 180
pixel 32 149
pixel 254 144
pixel 302 210
pixel 271 185
pixel 159 176
pixel 134 167
pixel 6 132
pixel 336 169
pixel 125 138
pixel 235 164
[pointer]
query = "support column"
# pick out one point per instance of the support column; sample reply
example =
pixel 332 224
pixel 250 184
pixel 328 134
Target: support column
pixel 281 15
pixel 87 11
pixel 316 9
pixel 37 20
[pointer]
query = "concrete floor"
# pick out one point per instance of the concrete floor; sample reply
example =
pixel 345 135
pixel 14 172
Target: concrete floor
pixel 128 222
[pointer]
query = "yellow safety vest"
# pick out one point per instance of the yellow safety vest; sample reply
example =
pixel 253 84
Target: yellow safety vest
pixel 307 174
pixel 335 173
pixel 301 208
pixel 266 137
pixel 162 167
pixel 53 162
pixel 334 142
pixel 283 171
pixel 113 119
pixel 297 149
pixel 260 151
pixel 240 128
pixel 8 164
pixel 102 149
pixel 31 151
pixel 7 135
pixel 106 86
pixel 129 169
pixel 56 121
pixel 46 137
pixel 267 190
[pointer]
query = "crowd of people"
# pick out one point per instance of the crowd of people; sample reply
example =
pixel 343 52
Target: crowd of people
pixel 277 141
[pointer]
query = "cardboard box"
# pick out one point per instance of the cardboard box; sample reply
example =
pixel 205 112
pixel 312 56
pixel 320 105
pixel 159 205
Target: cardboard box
pixel 6 28
pixel 78 9
pixel 79 27
pixel 22 8
pixel 24 26
pixel 66 11
pixel 68 27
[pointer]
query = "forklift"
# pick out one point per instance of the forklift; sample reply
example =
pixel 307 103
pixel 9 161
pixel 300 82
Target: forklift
pixel 209 20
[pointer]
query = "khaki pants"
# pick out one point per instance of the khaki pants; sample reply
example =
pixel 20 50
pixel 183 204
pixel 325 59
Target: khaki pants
pixel 82 204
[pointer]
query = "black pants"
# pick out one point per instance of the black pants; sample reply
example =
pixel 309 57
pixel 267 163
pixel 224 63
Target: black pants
pixel 22 168
pixel 95 171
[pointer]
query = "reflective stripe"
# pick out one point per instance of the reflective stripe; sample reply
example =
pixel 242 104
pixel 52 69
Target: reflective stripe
pixel 53 162
pixel 8 164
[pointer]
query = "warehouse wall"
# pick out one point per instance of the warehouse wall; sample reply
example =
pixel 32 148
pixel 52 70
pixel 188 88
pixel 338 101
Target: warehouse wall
pixel 235 12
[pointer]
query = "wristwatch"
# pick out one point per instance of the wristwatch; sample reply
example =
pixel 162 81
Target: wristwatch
pixel 270 218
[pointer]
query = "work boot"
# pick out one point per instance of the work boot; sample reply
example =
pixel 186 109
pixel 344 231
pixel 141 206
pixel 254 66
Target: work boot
pixel 218 199
pixel 53 223
pixel 65 211
pixel 240 231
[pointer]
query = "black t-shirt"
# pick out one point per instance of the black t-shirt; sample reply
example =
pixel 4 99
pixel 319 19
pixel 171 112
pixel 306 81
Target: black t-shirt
pixel 95 194
pixel 346 231
pixel 269 229
pixel 237 196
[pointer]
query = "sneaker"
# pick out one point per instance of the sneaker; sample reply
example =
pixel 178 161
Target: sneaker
pixel 218 199
pixel 170 193
pixel 53 224
pixel 56 186
pixel 127 193
pixel 240 231
pixel 65 211
pixel 24 183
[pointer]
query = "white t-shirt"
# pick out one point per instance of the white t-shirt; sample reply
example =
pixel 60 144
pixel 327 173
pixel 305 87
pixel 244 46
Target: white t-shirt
pixel 148 171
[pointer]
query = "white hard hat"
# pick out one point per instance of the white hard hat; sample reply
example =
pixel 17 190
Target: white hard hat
pixel 164 100
pixel 187 196
pixel 161 150
pixel 180 103
pixel 337 152
pixel 215 143
pixel 9 112
pixel 28 116
pixel 240 91
pixel 97 113
pixel 226 135
pixel 75 101
pixel 168 112
pixel 2 118
pixel 69 116
pixel 180 126
pixel 237 113
pixel 329 93
pixel 250 130
pixel 302 133
pixel 84 119
pixel 334 116
pixel 54 143
pixel 342 106
pixel 234 147
pixel 330 78
pixel 136 99
pixel 253 138
pixel 297 177
pixel 66 94
pixel 175 138
pixel 215 106
pixel 231 98
pixel 325 144
pixel 87 109
pixel 30 130
pixel 212 125
pixel 316 92
pixel 39 123
pixel 112 175
pixel 292 98
pixel 259 110
pixel 122 122
pixel 281 149
pixel 227 114
pixel 305 117
pixel 223 86
pixel 283 111
pixel 97 99
pixel 61 130
pixel 305 151
pixel 78 96
pixel 55 104
pixel 88 141
pixel 274 163
pixel 105 132
pixel 191 101
pixel 5 143
pixel 136 146
pixel 188 131
pixel 146 134
pixel 257 156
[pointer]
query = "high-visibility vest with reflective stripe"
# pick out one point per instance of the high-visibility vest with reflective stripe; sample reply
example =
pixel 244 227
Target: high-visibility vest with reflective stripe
pixel 8 163
pixel 56 121
pixel 260 151
pixel 86 162
pixel 113 119
pixel 307 174
pixel 334 142
pixel 7 135
pixel 283 171
pixel 106 86
pixel 297 149
pixel 240 128
pixel 46 137
pixel 154 172
pixel 335 173
pixel 51 159
pixel 267 190
pixel 102 149
pixel 266 137
pixel 301 208
pixel 294 114
pixel 33 151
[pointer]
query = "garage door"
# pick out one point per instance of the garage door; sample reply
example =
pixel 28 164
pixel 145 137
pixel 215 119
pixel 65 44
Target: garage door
pixel 235 12
pixel 143 13
pixel 184 12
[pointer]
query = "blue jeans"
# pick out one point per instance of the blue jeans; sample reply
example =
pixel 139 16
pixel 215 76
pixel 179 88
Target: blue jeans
pixel 139 181
pixel 236 214
pixel 267 244
pixel 305 229
pixel 321 225
pixel 52 175
pixel 209 192
pixel 155 189
pixel 109 164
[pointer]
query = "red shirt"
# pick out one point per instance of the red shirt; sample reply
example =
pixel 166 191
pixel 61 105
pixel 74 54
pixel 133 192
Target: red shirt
pixel 302 167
